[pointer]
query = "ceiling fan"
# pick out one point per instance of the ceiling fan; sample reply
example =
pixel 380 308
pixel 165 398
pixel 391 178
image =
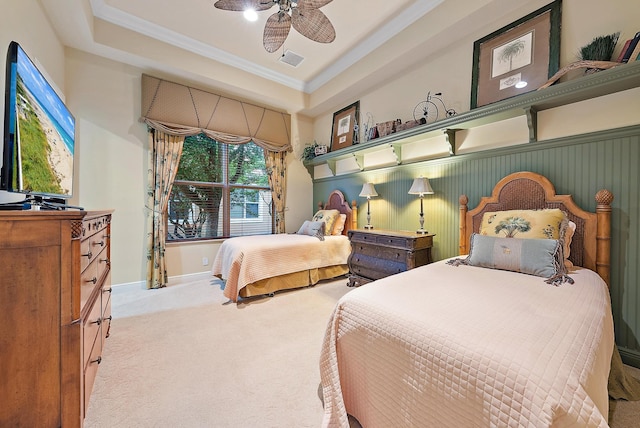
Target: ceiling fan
pixel 303 15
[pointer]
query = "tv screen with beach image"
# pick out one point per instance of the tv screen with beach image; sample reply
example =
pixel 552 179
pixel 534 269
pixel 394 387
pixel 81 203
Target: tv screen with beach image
pixel 44 141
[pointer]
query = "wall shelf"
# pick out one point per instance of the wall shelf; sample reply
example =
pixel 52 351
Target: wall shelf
pixel 620 78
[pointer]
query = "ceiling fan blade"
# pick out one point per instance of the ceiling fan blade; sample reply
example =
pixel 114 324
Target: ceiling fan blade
pixel 313 24
pixel 276 31
pixel 241 5
pixel 312 4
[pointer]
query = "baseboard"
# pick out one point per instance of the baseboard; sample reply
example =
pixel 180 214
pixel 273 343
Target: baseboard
pixel 173 280
pixel 630 357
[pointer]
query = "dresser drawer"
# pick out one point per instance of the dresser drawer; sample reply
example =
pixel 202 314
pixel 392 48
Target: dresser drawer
pixel 106 311
pixel 395 242
pixel 378 254
pixel 91 331
pixel 90 371
pixel 375 267
pixel 92 247
pixel 387 253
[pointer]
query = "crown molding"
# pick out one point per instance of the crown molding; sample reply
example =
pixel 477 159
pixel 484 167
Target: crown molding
pixel 408 16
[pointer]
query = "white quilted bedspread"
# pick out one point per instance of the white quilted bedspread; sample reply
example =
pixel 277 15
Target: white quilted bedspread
pixel 246 259
pixel 445 346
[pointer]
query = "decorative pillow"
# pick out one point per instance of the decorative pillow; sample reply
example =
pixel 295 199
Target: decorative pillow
pixel 529 224
pixel 540 257
pixel 568 236
pixel 312 228
pixel 328 217
pixel 338 227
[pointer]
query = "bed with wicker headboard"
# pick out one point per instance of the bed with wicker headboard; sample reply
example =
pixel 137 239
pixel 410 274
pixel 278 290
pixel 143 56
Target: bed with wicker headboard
pixel 264 264
pixel 476 341
pixel 591 242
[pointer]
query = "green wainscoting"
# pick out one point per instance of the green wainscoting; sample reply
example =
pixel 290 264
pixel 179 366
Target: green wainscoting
pixel 578 165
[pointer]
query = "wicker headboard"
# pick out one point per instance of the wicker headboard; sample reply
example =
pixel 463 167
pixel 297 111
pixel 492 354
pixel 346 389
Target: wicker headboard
pixel 336 201
pixel 591 243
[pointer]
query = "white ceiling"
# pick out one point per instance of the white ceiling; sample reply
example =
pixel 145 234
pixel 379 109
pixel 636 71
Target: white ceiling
pixel 196 39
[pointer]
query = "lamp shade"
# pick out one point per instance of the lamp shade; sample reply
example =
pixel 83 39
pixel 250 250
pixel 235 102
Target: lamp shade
pixel 421 187
pixel 368 190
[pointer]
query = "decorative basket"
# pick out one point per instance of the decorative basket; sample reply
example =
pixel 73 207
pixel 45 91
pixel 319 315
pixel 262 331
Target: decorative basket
pixel 385 128
pixel 408 124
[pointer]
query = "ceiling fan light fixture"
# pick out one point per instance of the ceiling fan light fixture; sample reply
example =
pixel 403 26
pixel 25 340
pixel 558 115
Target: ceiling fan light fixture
pixel 303 15
pixel 250 15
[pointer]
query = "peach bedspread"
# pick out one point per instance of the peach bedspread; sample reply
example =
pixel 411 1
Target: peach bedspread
pixel 246 259
pixel 463 346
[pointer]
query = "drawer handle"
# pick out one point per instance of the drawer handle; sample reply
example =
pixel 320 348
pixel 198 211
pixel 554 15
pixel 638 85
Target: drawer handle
pixel 101 243
pixel 109 318
pixel 98 321
pixel 105 261
pixel 88 255
pixel 97 360
pixel 93 280
pixel 107 290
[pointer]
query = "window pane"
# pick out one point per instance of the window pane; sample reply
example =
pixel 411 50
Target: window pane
pixel 220 191
pixel 246 165
pixel 256 216
pixel 203 160
pixel 194 212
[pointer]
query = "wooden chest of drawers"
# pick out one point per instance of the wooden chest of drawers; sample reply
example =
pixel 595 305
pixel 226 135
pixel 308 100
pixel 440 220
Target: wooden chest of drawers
pixel 55 312
pixel 380 253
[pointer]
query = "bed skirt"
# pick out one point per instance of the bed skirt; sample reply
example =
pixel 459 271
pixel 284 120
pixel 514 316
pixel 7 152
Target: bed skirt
pixel 293 280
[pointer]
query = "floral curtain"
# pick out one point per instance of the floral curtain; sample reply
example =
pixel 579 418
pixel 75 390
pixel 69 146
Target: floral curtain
pixel 277 173
pixel 164 157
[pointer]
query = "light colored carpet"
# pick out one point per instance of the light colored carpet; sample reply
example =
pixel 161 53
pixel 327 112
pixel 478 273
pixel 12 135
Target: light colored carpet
pixel 182 357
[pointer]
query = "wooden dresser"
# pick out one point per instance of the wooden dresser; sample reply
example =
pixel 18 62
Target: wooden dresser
pixel 55 313
pixel 376 254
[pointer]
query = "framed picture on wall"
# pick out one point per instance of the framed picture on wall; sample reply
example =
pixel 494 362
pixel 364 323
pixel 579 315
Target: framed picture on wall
pixel 345 126
pixel 518 58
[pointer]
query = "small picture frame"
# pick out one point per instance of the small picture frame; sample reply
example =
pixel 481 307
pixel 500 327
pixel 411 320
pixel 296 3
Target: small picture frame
pixel 345 126
pixel 320 150
pixel 517 58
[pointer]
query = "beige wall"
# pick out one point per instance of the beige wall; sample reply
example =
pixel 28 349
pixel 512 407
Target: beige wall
pixel 113 164
pixel 105 96
pixel 449 69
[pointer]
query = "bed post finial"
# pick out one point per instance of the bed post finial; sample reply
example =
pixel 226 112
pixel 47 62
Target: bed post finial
pixel 463 201
pixel 603 234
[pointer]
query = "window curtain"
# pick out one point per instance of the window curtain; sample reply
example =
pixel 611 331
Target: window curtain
pixel 164 157
pixel 183 110
pixel 276 172
pixel 173 111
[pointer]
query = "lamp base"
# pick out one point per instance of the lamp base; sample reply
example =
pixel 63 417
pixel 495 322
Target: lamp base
pixel 368 226
pixel 421 231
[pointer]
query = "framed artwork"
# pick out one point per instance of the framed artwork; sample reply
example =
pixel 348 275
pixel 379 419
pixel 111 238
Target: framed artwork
pixel 518 58
pixel 345 127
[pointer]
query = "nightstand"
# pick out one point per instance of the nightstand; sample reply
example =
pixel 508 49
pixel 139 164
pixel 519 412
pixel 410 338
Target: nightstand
pixel 376 254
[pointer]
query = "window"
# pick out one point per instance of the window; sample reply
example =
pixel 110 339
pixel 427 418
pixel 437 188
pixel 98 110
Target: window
pixel 220 191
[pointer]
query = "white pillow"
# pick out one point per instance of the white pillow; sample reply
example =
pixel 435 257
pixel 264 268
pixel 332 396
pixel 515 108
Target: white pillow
pixel 568 235
pixel 312 228
pixel 338 227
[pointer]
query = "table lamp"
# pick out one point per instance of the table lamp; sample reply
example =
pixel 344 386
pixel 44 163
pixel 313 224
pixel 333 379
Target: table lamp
pixel 368 191
pixel 421 187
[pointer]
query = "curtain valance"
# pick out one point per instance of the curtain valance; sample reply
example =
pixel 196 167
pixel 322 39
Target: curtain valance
pixel 182 110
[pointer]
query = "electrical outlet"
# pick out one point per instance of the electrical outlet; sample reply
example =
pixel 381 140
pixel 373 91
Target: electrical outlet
pixel 205 261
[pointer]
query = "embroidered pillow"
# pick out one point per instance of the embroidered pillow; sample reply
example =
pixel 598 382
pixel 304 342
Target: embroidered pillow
pixel 540 257
pixel 312 228
pixel 328 217
pixel 529 224
pixel 338 227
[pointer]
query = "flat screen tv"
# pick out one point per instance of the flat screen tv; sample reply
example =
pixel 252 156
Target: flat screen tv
pixel 39 134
